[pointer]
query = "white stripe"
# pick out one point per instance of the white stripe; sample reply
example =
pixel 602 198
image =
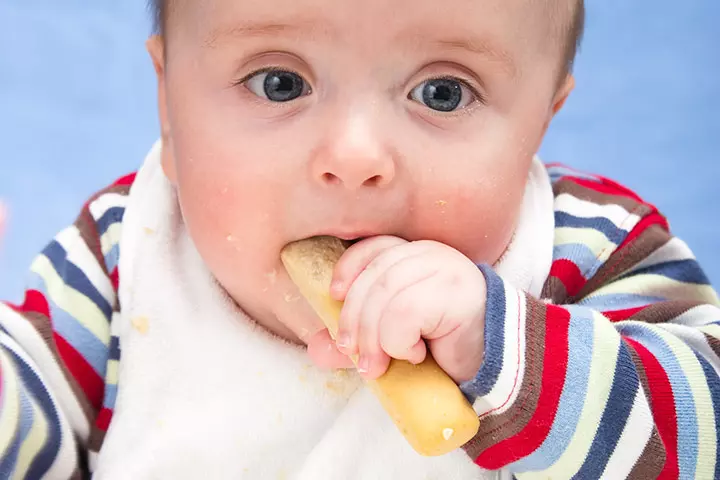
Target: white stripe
pixel 111 237
pixel 105 202
pixel 75 303
pixel 659 286
pixel 25 334
pixel 699 316
pixel 635 437
pixel 66 460
pixel 576 207
pixel 10 414
pixel 606 342
pixel 696 340
pixel 80 255
pixel 92 461
pixel 674 250
pixel 506 388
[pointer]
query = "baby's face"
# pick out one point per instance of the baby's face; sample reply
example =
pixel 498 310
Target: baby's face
pixel 285 119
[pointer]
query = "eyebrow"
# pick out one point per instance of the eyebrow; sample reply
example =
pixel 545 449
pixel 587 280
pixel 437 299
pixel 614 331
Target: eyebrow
pixel 471 44
pixel 310 28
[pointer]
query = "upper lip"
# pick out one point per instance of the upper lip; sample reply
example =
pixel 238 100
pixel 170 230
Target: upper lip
pixel 348 234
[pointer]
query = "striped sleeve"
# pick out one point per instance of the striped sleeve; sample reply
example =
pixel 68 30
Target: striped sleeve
pixel 55 348
pixel 615 373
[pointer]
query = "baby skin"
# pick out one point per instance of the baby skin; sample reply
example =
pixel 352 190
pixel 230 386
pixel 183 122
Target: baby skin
pixel 412 136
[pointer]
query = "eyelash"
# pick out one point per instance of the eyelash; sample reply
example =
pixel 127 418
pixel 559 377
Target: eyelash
pixel 267 69
pixel 465 83
pixel 480 98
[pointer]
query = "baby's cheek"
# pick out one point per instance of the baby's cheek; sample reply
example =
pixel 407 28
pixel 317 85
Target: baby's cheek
pixel 477 220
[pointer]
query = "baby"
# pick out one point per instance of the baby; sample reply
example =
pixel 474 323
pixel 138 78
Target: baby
pixel 161 337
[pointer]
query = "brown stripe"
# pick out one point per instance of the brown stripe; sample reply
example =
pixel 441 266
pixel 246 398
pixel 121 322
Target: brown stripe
pixel 652 460
pixel 495 428
pixel 555 290
pixel 44 328
pixel 714 343
pixel 621 260
pixel 662 312
pixel 97 437
pixel 87 224
pixel 587 194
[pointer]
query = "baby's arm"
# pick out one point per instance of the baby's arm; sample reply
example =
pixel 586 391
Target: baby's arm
pixel 616 374
pixel 56 350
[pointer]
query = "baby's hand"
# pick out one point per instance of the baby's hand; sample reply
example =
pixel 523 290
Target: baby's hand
pixel 398 293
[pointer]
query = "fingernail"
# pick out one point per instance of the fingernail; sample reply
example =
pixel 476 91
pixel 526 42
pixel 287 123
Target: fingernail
pixel 343 340
pixel 363 365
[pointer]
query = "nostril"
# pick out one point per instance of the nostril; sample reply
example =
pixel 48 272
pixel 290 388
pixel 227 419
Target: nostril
pixel 373 181
pixel 330 178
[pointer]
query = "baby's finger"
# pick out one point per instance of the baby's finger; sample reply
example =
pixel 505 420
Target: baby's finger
pixel 323 352
pixel 355 259
pixel 399 279
pixel 357 295
pixel 401 327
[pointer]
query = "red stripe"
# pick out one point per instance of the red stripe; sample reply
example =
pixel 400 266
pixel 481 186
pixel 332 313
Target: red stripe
pixel 662 403
pixel 126 180
pixel 652 219
pixel 35 301
pixel 555 360
pixel 103 419
pixel 115 279
pixel 569 274
pixel 619 188
pixel 620 315
pixel 90 382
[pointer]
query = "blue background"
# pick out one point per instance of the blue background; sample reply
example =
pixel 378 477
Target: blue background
pixel 77 110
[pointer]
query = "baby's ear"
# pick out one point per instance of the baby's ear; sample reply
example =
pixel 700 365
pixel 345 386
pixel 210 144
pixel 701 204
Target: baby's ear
pixel 563 93
pixel 156 48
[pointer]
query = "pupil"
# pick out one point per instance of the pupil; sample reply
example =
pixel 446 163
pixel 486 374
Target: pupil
pixel 281 86
pixel 442 94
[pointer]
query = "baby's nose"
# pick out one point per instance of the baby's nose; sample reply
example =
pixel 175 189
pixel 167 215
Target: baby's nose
pixel 354 156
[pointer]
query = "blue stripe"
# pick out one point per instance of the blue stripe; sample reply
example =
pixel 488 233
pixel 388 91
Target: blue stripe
pixel 112 257
pixel 684 401
pixel 713 383
pixel 75 277
pixel 578 253
pixel 572 400
pixel 618 301
pixel 114 352
pixel 112 215
pixel 489 372
pixel 82 339
pixel 601 224
pixel 615 416
pixel 8 461
pixel 687 271
pixel 34 386
pixel 110 396
pixel 557 172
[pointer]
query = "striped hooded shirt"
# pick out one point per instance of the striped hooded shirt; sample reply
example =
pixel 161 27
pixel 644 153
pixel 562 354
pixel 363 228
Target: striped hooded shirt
pixel 612 373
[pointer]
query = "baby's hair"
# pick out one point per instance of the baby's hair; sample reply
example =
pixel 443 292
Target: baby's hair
pixel 567 16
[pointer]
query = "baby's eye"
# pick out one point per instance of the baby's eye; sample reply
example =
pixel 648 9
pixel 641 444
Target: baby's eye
pixel 443 94
pixel 277 85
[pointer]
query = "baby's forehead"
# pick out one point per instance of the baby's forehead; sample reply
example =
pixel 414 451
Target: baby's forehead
pixel 557 23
